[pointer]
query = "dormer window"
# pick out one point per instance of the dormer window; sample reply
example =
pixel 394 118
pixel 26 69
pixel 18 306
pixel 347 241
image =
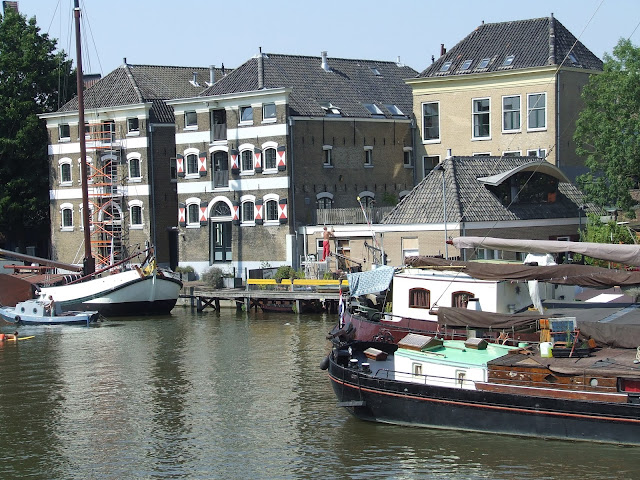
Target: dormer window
pixel 466 65
pixel 445 67
pixel 484 63
pixel 508 60
pixel 330 109
pixel 373 108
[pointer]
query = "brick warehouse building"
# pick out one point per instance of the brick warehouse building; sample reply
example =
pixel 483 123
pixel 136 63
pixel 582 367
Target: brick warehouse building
pixel 278 142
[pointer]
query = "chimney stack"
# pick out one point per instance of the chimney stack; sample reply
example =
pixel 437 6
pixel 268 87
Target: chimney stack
pixel 442 49
pixel 325 64
pixel 212 74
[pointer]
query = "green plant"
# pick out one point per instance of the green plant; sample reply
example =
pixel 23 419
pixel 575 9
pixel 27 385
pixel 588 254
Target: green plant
pixel 389 199
pixel 185 269
pixel 285 271
pixel 388 307
pixel 327 276
pixel 213 277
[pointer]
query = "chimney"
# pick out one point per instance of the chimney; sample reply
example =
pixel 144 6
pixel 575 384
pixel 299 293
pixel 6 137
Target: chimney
pixel 124 60
pixel 325 64
pixel 442 49
pixel 6 5
pixel 433 59
pixel 212 74
pixel 552 41
pixel 223 74
pixel 260 70
pixel 448 153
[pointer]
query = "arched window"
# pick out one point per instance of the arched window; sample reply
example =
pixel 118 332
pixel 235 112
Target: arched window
pixel 193 214
pixel 324 200
pixel 367 201
pixel 461 299
pixel 65 171
pixel 220 209
pixel 271 210
pixel 419 298
pixel 246 165
pixel 135 214
pixel 248 209
pixel 134 169
pixel 66 213
pixel 192 164
pixel 269 156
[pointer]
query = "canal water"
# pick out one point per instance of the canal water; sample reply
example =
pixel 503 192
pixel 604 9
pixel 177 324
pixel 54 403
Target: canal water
pixel 231 396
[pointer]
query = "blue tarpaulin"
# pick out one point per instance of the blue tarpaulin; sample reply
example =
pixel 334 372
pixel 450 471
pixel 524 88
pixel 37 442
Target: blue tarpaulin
pixel 373 281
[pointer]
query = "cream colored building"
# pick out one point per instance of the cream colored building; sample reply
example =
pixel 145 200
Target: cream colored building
pixel 507 89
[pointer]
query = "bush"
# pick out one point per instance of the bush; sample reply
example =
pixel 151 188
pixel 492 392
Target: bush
pixel 185 269
pixel 285 271
pixel 213 277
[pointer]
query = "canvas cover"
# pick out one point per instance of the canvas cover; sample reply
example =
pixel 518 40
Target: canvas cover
pixel 372 281
pixel 565 274
pixel 463 317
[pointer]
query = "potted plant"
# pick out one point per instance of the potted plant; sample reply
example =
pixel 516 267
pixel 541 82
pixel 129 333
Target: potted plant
pixel 187 273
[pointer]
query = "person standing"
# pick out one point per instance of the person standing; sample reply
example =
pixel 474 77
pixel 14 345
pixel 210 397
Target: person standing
pixel 326 248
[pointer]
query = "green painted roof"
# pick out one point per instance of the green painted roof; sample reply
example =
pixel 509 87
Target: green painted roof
pixel 455 352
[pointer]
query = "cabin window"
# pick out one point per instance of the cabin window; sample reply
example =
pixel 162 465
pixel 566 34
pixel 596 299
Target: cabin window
pixel 419 298
pixel 417 369
pixel 461 299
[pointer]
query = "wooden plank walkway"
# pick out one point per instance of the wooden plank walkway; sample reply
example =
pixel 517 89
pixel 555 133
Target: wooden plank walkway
pixel 301 294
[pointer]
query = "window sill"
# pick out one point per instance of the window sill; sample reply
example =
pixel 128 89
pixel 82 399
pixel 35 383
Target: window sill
pixel 271 223
pixel 271 171
pixel 408 166
pixel 66 229
pixel 431 142
pixel 133 134
pixel 327 166
pixel 543 129
pixel 368 166
pixel 191 176
pixel 245 124
pixel 507 132
pixel 66 184
pixel 64 140
pixel 480 139
pixel 247 173
pixel 190 128
pixel 193 225
pixel 270 120
pixel 248 224
pixel 135 179
pixel 136 227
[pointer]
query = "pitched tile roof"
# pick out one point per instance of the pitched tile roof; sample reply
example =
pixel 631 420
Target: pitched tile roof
pixel 133 84
pixel 533 43
pixel 348 85
pixel 468 197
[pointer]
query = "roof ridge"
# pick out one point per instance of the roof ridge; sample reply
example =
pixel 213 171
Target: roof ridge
pixel 134 84
pixel 394 62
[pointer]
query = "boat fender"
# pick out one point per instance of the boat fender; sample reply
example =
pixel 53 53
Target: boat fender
pixel 324 364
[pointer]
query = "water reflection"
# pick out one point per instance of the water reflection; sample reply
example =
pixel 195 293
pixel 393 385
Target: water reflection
pixel 232 395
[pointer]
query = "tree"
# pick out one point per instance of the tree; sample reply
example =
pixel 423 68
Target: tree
pixel 597 231
pixel 608 130
pixel 33 77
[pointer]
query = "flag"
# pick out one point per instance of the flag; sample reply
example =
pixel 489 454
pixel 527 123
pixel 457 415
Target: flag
pixel 341 310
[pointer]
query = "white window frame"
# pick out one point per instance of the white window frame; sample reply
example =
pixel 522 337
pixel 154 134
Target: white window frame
pixel 327 151
pixel 473 118
pixel 267 146
pixel 136 204
pixel 504 111
pixel 66 138
pixel 137 157
pixel 190 221
pixel 132 132
pixel 186 153
pixel 241 110
pixel 368 156
pixel 89 164
pixel 61 162
pixel 242 150
pixel 244 200
pixel 509 153
pixel 424 164
pixel 529 110
pixel 270 198
pixel 272 119
pixel 534 153
pixel 430 140
pixel 63 227
pixel 367 194
pixel 190 126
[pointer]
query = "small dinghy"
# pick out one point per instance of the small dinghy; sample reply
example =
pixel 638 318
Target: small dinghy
pixel 33 312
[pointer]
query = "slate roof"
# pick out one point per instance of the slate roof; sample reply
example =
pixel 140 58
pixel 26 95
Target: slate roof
pixel 133 84
pixel 349 84
pixel 533 43
pixel 466 195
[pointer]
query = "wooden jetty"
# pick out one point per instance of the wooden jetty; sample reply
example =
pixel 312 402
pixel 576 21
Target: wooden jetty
pixel 299 294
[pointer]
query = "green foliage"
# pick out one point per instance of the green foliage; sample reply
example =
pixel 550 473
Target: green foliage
pixel 599 232
pixel 185 269
pixel 608 130
pixel 213 277
pixel 32 78
pixel 286 271
pixel 327 276
pixel 389 199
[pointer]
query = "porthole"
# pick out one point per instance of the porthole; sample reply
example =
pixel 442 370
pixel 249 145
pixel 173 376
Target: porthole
pixel 593 382
pixel 35 311
pixel 22 309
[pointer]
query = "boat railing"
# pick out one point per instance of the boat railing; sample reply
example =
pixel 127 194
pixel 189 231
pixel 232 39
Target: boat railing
pixel 425 379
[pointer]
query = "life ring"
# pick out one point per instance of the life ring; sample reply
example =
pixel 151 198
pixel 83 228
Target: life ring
pixel 17 319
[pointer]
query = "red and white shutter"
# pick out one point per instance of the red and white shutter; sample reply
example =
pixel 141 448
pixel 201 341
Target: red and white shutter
pixel 258 212
pixel 282 210
pixel 182 215
pixel 202 164
pixel 203 213
pixel 257 160
pixel 180 165
pixel 281 159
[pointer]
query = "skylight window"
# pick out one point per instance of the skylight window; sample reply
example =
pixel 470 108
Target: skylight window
pixel 445 67
pixel 330 109
pixel 484 62
pixel 466 65
pixel 508 60
pixel 393 109
pixel 373 108
pixel 375 71
pixel 573 58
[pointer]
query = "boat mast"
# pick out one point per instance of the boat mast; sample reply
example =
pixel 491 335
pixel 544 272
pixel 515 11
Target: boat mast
pixel 89 261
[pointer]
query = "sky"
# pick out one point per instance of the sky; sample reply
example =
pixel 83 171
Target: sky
pixel 199 33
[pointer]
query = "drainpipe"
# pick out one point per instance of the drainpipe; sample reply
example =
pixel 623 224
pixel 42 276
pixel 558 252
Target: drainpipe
pixel 152 182
pixel 292 206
